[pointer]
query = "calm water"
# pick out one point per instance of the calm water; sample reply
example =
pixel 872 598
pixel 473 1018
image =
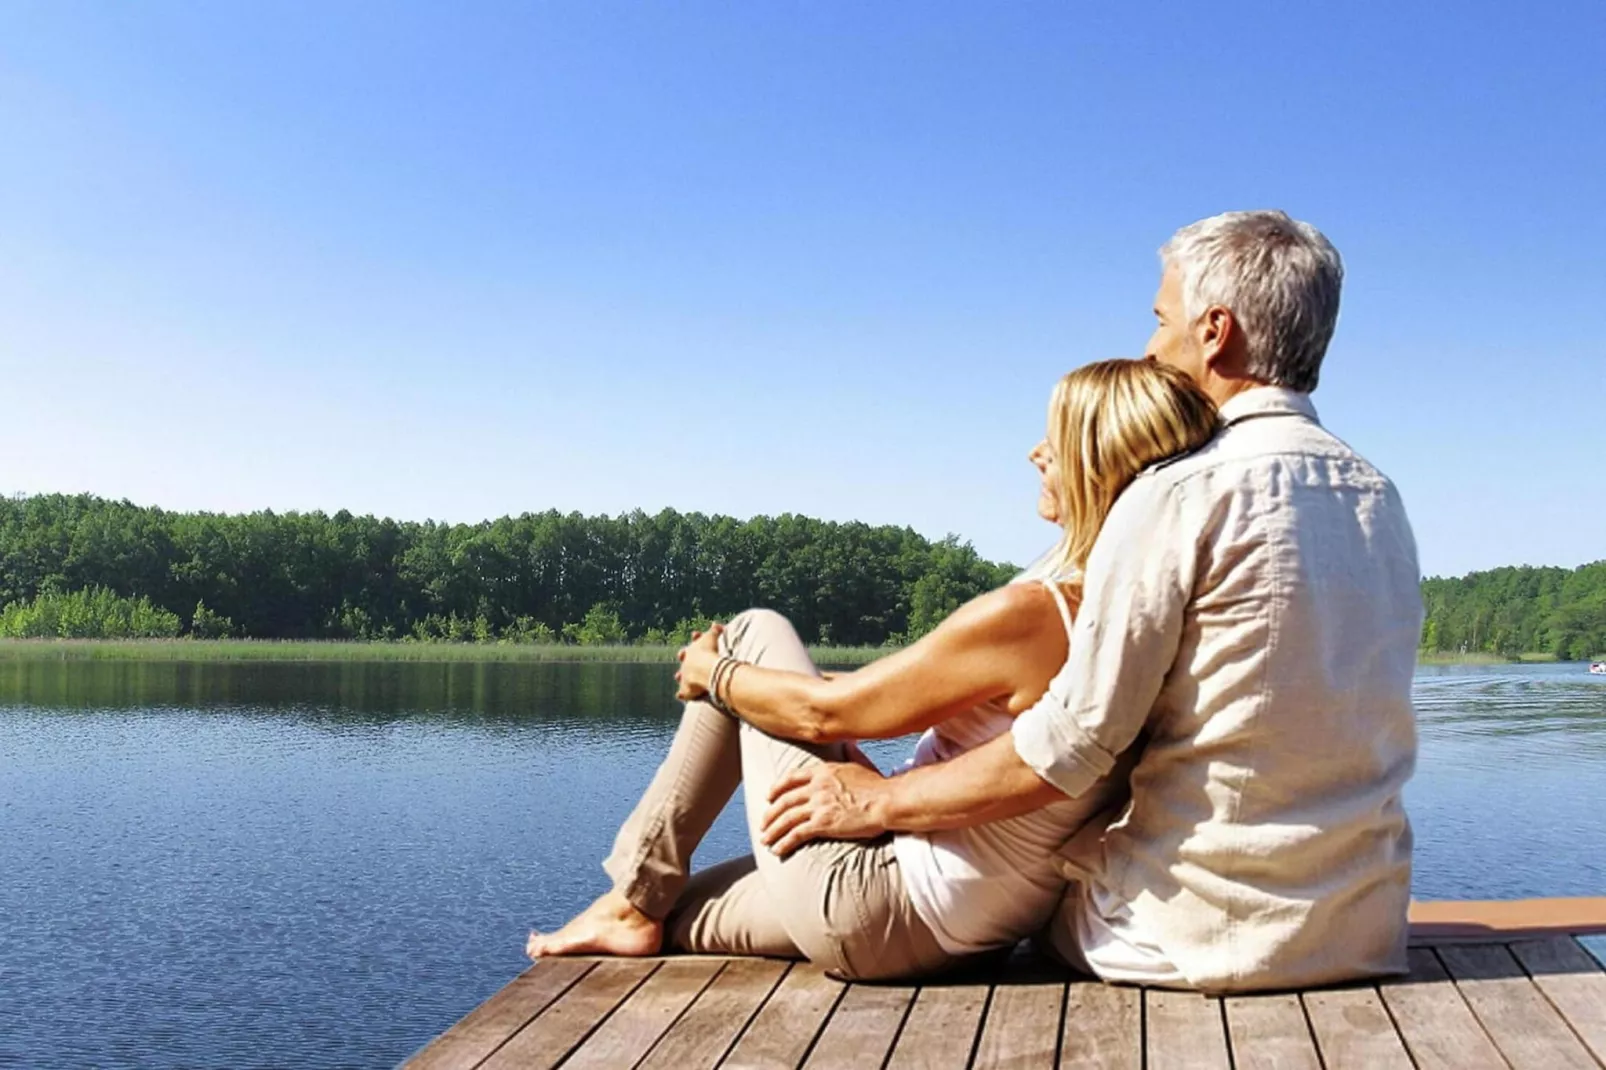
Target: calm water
pixel 325 866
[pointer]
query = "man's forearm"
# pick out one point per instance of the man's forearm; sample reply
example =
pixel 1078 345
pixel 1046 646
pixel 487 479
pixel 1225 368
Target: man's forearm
pixel 986 784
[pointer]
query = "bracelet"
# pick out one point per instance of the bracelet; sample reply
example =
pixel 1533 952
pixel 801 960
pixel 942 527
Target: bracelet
pixel 725 685
pixel 719 681
pixel 710 692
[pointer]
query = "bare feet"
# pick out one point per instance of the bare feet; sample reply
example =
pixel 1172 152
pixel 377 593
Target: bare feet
pixel 610 926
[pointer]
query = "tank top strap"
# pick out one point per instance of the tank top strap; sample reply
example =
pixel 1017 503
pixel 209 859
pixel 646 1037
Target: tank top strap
pixel 1059 600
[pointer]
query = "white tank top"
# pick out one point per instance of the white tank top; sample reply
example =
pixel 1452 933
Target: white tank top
pixel 990 885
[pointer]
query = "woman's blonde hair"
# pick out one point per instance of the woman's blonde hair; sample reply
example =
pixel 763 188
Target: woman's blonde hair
pixel 1107 422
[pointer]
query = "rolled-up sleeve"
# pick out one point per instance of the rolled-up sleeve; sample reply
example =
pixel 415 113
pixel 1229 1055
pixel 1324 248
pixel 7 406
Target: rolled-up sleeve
pixel 1139 579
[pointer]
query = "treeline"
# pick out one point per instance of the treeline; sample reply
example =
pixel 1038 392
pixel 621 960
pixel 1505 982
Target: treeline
pixel 1510 611
pixel 540 577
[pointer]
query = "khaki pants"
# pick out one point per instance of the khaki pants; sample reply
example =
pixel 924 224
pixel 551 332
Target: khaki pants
pixel 839 903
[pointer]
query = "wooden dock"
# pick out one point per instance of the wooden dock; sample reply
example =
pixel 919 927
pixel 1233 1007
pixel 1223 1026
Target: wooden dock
pixel 1491 985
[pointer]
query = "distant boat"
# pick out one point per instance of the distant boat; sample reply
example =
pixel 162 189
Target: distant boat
pixel 1598 668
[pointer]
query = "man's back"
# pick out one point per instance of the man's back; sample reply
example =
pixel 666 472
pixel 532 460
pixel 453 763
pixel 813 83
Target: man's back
pixel 1265 844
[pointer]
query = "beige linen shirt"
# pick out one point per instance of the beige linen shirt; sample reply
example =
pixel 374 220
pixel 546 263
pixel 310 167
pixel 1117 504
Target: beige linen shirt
pixel 1253 609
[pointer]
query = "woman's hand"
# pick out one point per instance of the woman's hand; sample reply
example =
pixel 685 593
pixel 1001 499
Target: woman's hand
pixel 697 663
pixel 830 800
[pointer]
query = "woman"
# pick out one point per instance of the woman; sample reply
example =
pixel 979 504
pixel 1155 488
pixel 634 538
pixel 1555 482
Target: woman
pixel 901 905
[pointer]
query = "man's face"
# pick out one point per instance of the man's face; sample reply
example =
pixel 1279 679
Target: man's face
pixel 1173 341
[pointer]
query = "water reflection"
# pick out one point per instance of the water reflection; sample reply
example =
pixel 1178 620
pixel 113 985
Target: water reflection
pixel 372 692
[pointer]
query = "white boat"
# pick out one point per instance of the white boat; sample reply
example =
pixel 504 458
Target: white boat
pixel 1598 668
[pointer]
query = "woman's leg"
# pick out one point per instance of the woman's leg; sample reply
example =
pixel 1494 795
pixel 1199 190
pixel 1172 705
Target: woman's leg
pixel 725 910
pixel 651 856
pixel 840 903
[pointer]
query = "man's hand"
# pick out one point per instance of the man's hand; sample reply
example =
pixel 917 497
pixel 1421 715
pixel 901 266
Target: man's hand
pixel 832 800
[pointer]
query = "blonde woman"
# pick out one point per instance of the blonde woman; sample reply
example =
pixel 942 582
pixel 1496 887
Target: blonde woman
pixel 757 711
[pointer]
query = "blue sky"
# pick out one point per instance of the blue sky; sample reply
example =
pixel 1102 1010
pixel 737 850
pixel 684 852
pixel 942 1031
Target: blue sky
pixel 824 258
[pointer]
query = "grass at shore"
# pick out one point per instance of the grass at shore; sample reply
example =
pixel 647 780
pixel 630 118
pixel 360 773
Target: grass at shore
pixel 218 650
pixel 1448 658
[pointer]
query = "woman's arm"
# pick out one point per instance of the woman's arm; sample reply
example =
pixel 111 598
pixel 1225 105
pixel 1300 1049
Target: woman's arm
pixel 1007 643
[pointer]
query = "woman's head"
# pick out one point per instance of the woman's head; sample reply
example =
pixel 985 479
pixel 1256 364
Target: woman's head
pixel 1106 423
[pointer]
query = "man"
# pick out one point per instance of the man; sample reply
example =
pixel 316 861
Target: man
pixel 1250 611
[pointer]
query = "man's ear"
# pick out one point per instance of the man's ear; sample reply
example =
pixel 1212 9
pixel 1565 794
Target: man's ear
pixel 1218 335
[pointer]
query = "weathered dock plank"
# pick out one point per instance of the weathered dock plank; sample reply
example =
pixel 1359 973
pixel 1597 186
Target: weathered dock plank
pixel 1270 1033
pixel 1573 982
pixel 862 1029
pixel 1438 1027
pixel 1516 998
pixel 487 1027
pixel 1354 1031
pixel 1184 1031
pixel 941 1030
pixel 1103 1027
pixel 558 1030
pixel 785 1028
pixel 631 1030
pixel 702 1036
pixel 1518 1018
pixel 1022 1030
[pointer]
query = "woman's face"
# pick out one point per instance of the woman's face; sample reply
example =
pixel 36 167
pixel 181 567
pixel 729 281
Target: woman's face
pixel 1048 469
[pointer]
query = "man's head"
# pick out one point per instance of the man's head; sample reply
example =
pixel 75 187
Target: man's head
pixel 1247 299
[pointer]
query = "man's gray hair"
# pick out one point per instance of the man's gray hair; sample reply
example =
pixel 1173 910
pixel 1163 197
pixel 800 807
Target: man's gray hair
pixel 1279 278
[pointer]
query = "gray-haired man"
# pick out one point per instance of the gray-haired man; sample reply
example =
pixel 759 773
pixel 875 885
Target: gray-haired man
pixel 1252 613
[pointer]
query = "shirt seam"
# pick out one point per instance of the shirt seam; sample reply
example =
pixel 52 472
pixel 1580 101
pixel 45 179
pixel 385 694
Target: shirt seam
pixel 1246 775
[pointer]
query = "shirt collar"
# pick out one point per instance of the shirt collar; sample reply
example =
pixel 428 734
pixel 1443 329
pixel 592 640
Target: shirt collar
pixel 1268 401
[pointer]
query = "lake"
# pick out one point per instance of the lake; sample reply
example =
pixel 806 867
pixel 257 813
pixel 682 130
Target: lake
pixel 325 865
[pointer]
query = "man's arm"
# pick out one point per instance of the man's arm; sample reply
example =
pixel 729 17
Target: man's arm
pixel 1140 578
pixel 845 801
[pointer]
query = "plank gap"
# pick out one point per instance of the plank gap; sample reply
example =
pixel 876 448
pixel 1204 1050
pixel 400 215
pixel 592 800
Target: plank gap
pixel 1226 1031
pixel 814 1041
pixel 981 1025
pixel 897 1034
pixel 1310 1031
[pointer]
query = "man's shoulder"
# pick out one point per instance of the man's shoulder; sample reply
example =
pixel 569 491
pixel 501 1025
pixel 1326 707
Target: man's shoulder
pixel 1245 454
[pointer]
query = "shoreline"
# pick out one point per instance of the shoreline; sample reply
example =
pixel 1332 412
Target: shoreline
pixel 1446 658
pixel 335 650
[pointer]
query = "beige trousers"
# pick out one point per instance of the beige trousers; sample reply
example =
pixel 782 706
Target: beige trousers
pixel 839 903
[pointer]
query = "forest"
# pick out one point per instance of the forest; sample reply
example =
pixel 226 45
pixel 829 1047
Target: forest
pixel 82 566
pixel 1518 610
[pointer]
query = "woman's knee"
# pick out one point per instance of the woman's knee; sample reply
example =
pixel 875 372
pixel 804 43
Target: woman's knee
pixel 752 630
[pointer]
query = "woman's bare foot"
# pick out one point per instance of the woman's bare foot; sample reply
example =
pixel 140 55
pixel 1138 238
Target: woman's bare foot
pixel 610 926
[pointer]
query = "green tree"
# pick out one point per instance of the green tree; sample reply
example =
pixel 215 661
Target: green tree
pixel 601 627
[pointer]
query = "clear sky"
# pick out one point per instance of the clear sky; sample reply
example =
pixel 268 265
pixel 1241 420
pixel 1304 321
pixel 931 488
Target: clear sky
pixel 457 261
